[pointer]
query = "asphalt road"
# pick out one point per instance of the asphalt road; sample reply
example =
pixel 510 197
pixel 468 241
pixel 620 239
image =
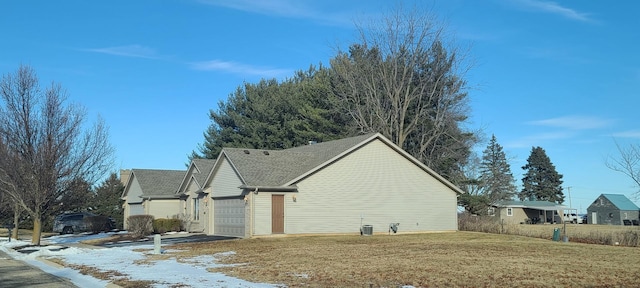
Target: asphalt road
pixel 15 273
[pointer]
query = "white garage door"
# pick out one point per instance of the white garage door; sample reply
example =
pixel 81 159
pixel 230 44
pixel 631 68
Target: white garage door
pixel 229 217
pixel 136 209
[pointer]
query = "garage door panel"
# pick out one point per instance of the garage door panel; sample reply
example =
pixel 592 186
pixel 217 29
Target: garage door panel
pixel 229 215
pixel 136 209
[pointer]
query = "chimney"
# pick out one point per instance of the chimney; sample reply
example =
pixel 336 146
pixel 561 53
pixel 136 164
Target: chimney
pixel 124 176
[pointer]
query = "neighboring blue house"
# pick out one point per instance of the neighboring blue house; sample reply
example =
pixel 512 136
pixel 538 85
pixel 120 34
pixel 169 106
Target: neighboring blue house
pixel 613 209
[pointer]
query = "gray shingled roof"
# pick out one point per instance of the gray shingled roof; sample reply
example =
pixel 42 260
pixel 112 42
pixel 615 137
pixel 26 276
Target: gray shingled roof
pixel 621 202
pixel 540 205
pixel 205 166
pixel 261 167
pixel 158 183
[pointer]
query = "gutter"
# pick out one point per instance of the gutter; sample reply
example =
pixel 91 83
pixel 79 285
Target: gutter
pixel 256 189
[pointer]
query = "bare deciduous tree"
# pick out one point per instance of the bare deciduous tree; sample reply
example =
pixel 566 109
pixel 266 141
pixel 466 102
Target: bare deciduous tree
pixel 404 81
pixel 45 145
pixel 627 163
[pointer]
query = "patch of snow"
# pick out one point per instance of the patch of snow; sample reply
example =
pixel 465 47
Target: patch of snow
pixel 134 265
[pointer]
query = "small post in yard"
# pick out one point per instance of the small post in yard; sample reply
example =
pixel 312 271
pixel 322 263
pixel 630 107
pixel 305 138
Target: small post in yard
pixel 9 227
pixel 156 244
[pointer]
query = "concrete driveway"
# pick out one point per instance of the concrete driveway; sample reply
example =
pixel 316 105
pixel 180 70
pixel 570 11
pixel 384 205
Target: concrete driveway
pixel 15 273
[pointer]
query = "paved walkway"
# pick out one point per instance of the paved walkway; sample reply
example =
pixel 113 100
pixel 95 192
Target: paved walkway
pixel 15 273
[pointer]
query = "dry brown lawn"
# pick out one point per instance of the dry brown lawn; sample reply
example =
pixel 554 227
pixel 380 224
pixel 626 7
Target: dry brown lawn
pixel 459 259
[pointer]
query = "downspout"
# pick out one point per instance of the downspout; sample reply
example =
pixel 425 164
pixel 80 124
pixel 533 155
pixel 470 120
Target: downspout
pixel 146 208
pixel 253 213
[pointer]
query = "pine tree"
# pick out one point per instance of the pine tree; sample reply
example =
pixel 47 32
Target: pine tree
pixel 495 173
pixel 106 200
pixel 276 115
pixel 473 200
pixel 541 181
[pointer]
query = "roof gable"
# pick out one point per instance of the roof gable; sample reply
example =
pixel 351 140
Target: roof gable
pixel 157 183
pixel 620 201
pixel 283 168
pixel 198 171
pixel 204 168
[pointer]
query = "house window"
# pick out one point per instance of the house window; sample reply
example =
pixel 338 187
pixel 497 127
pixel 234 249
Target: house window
pixel 509 211
pixel 491 211
pixel 196 209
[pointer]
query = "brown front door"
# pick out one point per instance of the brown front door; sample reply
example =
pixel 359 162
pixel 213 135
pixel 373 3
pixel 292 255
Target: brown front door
pixel 277 214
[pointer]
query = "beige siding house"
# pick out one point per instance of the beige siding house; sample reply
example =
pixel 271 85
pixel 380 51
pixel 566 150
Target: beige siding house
pixel 529 212
pixel 334 187
pixel 152 192
pixel 326 188
pixel 195 205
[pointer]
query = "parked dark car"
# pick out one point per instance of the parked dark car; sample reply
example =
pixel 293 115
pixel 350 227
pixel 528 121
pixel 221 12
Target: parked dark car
pixel 69 223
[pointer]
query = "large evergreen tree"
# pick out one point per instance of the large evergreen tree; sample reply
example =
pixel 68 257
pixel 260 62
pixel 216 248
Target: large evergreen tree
pixel 473 200
pixel 495 173
pixel 403 78
pixel 541 181
pixel 276 115
pixel 106 199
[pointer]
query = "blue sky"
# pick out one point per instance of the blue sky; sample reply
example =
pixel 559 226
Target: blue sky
pixel 562 75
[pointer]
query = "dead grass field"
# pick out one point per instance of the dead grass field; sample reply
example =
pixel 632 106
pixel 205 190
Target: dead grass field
pixel 460 259
pixel 584 233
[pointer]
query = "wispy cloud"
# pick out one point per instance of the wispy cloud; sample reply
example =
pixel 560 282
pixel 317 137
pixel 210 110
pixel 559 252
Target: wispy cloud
pixel 628 134
pixel 135 50
pixel 239 68
pixel 574 122
pixel 283 8
pixel 554 8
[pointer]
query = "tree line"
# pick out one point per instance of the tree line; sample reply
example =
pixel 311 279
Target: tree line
pixel 401 78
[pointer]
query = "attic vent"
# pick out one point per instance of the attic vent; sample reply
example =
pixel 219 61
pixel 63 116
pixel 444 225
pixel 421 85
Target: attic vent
pixel 246 151
pixel 265 152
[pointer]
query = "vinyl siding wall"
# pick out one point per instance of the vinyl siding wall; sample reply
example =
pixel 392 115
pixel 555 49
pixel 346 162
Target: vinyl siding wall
pixel 134 193
pixel 518 216
pixel 201 223
pixel 163 208
pixel 133 202
pixel 262 211
pixel 225 181
pixel 374 185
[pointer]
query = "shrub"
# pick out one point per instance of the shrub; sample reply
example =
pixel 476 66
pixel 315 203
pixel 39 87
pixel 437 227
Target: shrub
pixel 140 225
pixel 487 224
pixel 185 221
pixel 164 225
pixel 97 224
